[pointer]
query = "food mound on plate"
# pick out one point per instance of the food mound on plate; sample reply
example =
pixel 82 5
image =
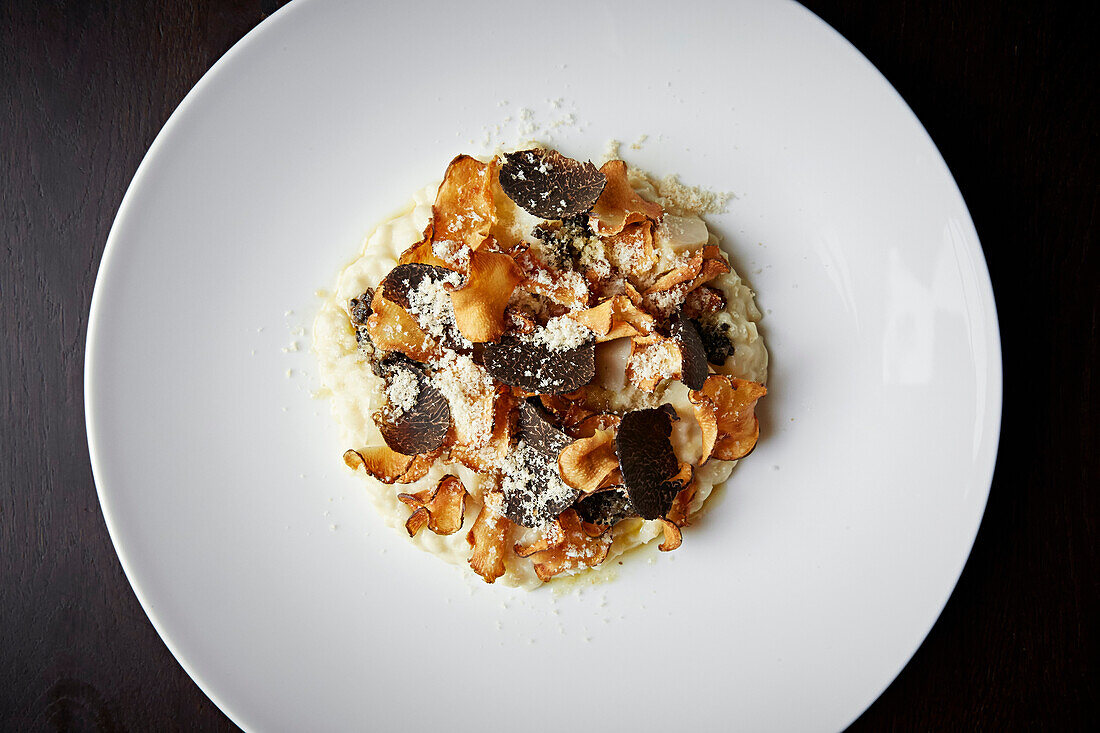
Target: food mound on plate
pixel 543 364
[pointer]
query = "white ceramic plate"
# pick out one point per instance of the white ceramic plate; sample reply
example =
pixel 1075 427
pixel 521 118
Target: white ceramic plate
pixel 823 563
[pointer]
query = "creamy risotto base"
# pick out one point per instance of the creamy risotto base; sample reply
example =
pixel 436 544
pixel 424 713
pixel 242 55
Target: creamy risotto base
pixel 356 393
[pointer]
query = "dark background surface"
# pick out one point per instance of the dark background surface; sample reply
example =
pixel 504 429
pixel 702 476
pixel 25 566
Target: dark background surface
pixel 1007 91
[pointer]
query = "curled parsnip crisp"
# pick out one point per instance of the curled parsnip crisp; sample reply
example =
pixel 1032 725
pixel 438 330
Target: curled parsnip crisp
pixel 489 538
pixel 702 267
pixel 652 360
pixel 423 253
pixel 673 536
pixel 631 250
pixel 681 505
pixel 586 462
pixel 725 409
pixel 463 210
pixel 567 544
pixel 619 204
pixel 616 317
pixel 480 303
pixel 587 427
pixel 381 462
pixel 569 413
pixel 486 453
pixel 392 328
pixel 441 508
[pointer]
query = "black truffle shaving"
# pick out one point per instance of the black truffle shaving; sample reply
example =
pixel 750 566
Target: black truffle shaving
pixel 647 460
pixel 693 354
pixel 549 185
pixel 537 368
pixel 716 341
pixel 536 429
pixel 606 506
pixel 359 308
pixel 403 279
pixel 423 427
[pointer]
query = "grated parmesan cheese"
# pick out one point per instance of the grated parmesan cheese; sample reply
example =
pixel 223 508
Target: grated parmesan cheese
pixel 562 333
pixel 402 391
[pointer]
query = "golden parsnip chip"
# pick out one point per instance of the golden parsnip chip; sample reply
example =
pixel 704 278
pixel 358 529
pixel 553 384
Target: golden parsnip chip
pixel 441 508
pixel 569 288
pixel 485 453
pixel 380 461
pixel 703 266
pixel 726 408
pixel 463 210
pixel 392 328
pixel 616 317
pixel 568 546
pixel 653 359
pixel 673 536
pixel 489 538
pixel 480 303
pixel 619 204
pixel 631 250
pixel 586 462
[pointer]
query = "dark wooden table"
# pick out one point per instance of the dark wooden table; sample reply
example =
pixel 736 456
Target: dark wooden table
pixel 1007 91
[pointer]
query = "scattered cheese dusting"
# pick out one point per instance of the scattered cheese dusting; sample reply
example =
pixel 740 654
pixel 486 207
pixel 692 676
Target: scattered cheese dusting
pixel 611 150
pixel 430 303
pixel 563 333
pixel 402 391
pixel 680 198
pixel 654 362
pixel 534 483
pixel 637 144
pixel 469 391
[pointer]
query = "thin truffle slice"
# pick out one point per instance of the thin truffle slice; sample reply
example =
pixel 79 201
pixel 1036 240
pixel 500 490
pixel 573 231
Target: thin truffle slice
pixel 539 369
pixel 420 428
pixel 404 279
pixel 647 459
pixel 716 341
pixel 359 309
pixel 547 184
pixel 606 507
pixel 693 354
pixel 441 508
pixel 539 433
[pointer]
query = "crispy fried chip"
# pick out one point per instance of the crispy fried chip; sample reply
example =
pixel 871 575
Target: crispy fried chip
pixel 616 317
pixel 487 454
pixel 421 464
pixel 479 304
pixel 463 210
pixel 566 545
pixel 681 505
pixel 586 462
pixel 673 536
pixel 441 508
pixel 549 185
pixel 392 328
pixel 423 252
pixel 702 301
pixel 703 266
pixel 489 538
pixel 619 204
pixel 653 359
pixel 587 427
pixel 725 409
pixel 631 250
pixel 380 461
